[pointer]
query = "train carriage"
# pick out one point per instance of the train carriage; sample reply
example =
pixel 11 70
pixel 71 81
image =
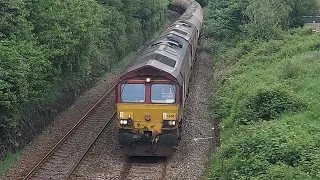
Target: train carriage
pixel 152 92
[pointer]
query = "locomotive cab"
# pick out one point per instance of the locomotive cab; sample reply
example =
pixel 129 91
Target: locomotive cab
pixel 148 111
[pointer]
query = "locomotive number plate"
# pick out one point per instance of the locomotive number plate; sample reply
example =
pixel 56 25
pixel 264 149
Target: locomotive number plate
pixel 126 115
pixel 169 116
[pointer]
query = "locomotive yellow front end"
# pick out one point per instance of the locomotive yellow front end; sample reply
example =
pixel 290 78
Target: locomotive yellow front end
pixel 148 114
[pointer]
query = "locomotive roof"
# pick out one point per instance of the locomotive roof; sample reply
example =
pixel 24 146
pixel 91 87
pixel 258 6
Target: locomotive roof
pixel 164 55
pixel 183 29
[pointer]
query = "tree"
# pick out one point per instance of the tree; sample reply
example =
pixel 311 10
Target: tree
pixel 301 8
pixel 266 17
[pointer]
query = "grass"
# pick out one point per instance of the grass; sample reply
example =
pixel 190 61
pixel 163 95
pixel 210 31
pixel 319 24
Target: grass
pixel 269 105
pixel 7 163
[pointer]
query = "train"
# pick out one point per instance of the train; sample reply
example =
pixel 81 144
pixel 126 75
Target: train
pixel 151 94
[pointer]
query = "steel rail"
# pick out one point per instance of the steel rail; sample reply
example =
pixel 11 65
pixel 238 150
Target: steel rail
pixel 68 134
pixel 87 150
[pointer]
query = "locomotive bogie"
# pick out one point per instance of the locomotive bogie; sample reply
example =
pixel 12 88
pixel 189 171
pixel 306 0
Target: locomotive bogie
pixel 133 144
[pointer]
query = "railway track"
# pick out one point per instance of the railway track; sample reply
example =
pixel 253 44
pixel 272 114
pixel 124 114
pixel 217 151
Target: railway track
pixel 138 168
pixel 66 155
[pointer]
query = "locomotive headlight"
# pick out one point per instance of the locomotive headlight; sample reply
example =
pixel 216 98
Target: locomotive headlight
pixel 123 122
pixel 169 124
pixel 172 123
pixel 148 80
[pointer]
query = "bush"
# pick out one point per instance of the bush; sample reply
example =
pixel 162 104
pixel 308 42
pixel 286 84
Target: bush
pixel 279 149
pixel 277 79
pixel 256 68
pixel 292 70
pixel 281 171
pixel 267 72
pixel 269 105
pixel 255 19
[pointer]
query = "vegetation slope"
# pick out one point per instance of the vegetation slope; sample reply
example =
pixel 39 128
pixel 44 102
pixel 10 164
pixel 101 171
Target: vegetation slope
pixel 51 50
pixel 268 94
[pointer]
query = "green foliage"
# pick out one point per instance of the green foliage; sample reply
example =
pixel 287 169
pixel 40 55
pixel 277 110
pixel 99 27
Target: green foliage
pixel 266 17
pixel 277 149
pixel 281 171
pixel 274 80
pixel 292 71
pixel 68 36
pixel 8 162
pixel 251 70
pixel 225 18
pixel 255 19
pixel 13 24
pixel 23 72
pixel 52 48
pixel 23 67
pixel 301 8
pixel 269 105
pixel 267 100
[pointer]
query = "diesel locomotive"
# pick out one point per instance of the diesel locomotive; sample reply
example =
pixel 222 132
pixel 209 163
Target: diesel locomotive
pixel 151 94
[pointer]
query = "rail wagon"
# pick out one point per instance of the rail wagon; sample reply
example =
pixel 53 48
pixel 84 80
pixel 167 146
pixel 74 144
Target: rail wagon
pixel 152 92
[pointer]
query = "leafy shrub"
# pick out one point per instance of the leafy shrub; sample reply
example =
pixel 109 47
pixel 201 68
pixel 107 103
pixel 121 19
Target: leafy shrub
pixel 284 86
pixel 266 73
pixel 225 18
pixel 259 67
pixel 292 70
pixel 269 105
pixel 255 19
pixel 281 171
pixel 279 149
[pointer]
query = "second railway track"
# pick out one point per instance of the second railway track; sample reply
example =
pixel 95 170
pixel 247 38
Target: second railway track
pixel 64 157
